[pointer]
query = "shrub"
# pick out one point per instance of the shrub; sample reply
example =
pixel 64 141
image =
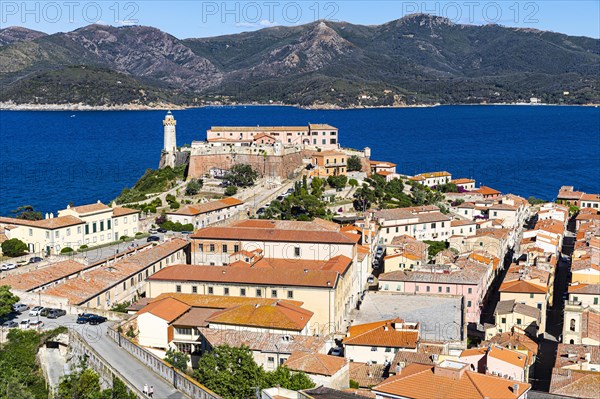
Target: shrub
pixel 139 233
pixel 194 187
pixel 14 247
pixel 84 246
pixel 66 250
pixel 231 190
pixel 354 384
pixel 123 238
pixel 353 182
pixel 354 164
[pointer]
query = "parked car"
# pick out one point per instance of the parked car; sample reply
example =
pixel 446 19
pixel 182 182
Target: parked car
pixel 36 311
pixel 24 324
pixel 337 351
pixel 84 318
pixel 186 233
pixel 279 198
pixel 153 238
pixel 95 320
pixel 37 324
pixel 152 231
pixel 21 263
pixel 260 211
pixel 161 230
pixel 371 279
pixel 8 266
pixel 56 313
pixel 44 312
pixel 20 307
pixel 35 259
pixel 289 190
pixel 10 324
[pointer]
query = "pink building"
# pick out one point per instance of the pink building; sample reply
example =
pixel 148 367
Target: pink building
pixel 469 280
pixel 321 136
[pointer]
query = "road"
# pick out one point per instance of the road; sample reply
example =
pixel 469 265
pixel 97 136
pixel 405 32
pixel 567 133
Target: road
pixel 129 367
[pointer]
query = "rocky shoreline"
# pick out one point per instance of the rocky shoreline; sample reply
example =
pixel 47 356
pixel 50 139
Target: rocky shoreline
pixel 10 106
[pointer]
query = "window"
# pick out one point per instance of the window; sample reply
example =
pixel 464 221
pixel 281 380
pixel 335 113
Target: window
pixel 518 321
pixel 271 361
pixel 78 229
pixel 373 349
pixel 273 293
pixel 124 285
pixel 468 304
pixel 258 292
pixel 68 232
pixel 131 282
pixel 226 291
pixel 236 248
pixel 417 288
pixel 183 331
pixel 595 300
pixel 211 290
pixel 433 225
pixel 125 219
pixel 102 225
pixel 439 289
pixel 242 292
pixel 539 306
pixel 470 290
pixel 116 222
pixel 178 288
pixel 194 289
pixel 428 289
pixel 504 320
pixel 108 224
pixel 47 234
pixel 297 252
pixel 211 248
pixel 94 227
pixel 200 247
pixel 530 295
pixel 290 294
pixel 388 350
pixel 447 290
pixel 572 325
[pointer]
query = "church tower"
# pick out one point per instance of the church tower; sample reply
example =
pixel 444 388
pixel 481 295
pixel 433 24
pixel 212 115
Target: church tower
pixel 170 141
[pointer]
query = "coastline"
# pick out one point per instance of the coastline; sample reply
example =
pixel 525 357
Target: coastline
pixel 10 106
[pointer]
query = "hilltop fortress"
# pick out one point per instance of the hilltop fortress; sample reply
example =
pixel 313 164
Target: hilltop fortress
pixel 278 152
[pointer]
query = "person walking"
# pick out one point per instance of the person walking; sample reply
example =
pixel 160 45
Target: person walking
pixel 151 391
pixel 145 390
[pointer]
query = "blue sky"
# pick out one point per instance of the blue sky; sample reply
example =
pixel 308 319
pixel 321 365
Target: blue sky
pixel 210 18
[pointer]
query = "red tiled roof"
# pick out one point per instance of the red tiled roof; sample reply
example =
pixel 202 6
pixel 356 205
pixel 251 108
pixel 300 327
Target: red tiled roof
pixel 315 363
pixel 279 315
pixel 419 381
pixel 522 286
pixel 193 210
pixel 167 309
pixel 48 224
pixel 382 333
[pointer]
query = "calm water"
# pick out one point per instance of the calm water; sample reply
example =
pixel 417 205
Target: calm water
pixel 50 158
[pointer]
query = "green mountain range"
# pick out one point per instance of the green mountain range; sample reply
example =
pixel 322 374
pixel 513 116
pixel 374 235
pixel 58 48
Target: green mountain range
pixel 419 59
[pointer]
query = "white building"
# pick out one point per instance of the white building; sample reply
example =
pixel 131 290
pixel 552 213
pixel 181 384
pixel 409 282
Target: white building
pixel 422 223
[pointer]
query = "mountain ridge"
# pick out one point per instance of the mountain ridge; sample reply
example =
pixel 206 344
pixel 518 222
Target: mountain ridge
pixel 418 59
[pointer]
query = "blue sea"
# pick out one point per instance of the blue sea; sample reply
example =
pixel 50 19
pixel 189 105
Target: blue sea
pixel 51 158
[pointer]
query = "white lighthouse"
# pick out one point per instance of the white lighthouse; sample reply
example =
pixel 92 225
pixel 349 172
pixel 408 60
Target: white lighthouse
pixel 170 137
pixel 170 141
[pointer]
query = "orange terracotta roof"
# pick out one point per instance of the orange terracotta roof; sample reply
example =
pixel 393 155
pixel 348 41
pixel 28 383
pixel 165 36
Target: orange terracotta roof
pixel 421 382
pixel 367 374
pixel 473 352
pixel 46 275
pixel 514 340
pixel 315 363
pixel 266 230
pixel 47 224
pixel 263 272
pixel 384 173
pixel 383 164
pixel 198 209
pixel 80 289
pixel 221 302
pixel 590 197
pixel 382 333
pixel 584 289
pixel 91 208
pixel 121 211
pixel 509 356
pixel 280 316
pixel 462 181
pixel 167 309
pixel 522 286
pixel 258 128
pixel 485 190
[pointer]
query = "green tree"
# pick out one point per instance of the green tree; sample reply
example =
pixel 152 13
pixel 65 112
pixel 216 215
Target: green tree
pixel 395 188
pixel 435 247
pixel 81 384
pixel 14 247
pixel 231 190
pixel 353 183
pixel 288 379
pixel 535 201
pixel 121 307
pixel 66 250
pixel 337 182
pixel 354 164
pixel 194 187
pixel 7 300
pixel 27 212
pixel 177 359
pixel 316 186
pixel 241 175
pixel 230 372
